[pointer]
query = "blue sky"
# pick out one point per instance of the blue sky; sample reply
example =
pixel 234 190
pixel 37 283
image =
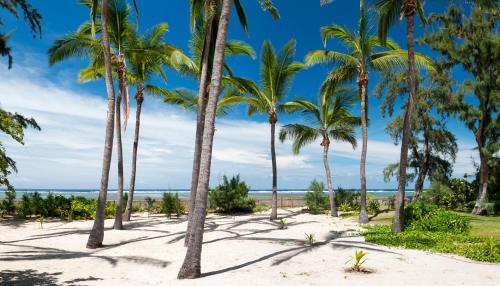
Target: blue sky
pixel 68 150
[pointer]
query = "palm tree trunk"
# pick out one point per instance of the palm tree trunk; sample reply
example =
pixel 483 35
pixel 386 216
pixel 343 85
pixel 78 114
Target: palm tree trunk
pixel 398 224
pixel 331 193
pixel 422 171
pixel 483 185
pixel 363 84
pixel 274 211
pixel 118 225
pixel 200 120
pixel 139 98
pixel 191 267
pixel 97 233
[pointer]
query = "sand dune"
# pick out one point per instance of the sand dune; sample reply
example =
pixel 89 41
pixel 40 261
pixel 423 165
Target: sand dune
pixel 238 250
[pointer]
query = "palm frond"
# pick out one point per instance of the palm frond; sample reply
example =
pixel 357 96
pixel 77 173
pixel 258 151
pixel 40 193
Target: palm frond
pixel 300 134
pixel 328 57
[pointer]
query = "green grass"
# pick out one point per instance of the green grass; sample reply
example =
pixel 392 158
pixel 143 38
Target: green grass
pixel 482 243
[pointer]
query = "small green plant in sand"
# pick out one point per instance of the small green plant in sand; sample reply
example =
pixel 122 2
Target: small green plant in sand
pixel 357 260
pixel 41 220
pixel 282 224
pixel 310 239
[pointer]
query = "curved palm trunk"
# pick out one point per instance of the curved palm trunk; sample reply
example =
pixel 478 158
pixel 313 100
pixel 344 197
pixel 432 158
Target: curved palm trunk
pixel 422 171
pixel 97 233
pixel 331 193
pixel 398 224
pixel 191 267
pixel 139 98
pixel 363 85
pixel 274 212
pixel 200 120
pixel 118 225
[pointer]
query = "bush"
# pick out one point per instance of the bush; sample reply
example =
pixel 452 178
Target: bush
pixel 353 198
pixel 476 248
pixel 231 196
pixel 315 199
pixel 373 207
pixel 441 220
pixel 345 207
pixel 171 204
pixel 8 204
pixel 457 195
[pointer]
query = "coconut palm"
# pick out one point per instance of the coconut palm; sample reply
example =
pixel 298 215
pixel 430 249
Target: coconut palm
pixel 365 52
pixel 328 120
pixel 276 71
pixel 191 266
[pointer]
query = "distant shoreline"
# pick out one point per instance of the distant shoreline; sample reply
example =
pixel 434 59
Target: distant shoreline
pixel 184 193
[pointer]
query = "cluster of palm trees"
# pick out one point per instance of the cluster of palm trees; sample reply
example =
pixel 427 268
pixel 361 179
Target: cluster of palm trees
pixel 118 53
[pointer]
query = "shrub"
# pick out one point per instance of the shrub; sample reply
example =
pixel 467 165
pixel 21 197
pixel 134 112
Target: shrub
pixel 83 208
pixel 8 204
pixel 315 199
pixel 345 207
pixel 353 198
pixel 458 194
pixel 261 208
pixel 171 204
pixel 441 220
pixel 416 211
pixel 150 204
pixel 231 196
pixel 373 207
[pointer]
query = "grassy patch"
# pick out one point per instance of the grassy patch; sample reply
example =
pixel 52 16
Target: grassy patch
pixel 473 247
pixel 485 226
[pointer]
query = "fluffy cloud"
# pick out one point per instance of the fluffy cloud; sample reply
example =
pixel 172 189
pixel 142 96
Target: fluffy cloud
pixel 67 153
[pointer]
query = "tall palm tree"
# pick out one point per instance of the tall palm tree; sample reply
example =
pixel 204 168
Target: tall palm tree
pixel 365 52
pixel 191 267
pixel 276 73
pixel 97 234
pixel 329 119
pixel 388 13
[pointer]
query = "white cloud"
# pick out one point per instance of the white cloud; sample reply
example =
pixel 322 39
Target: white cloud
pixel 67 153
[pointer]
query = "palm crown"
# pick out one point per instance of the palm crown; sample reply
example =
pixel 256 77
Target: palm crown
pixel 329 119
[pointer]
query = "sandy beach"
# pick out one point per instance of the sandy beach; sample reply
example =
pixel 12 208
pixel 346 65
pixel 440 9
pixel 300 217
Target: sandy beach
pixel 237 250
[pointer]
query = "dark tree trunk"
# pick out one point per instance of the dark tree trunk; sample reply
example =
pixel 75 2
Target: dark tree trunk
pixel 139 98
pixel 483 185
pixel 97 233
pixel 200 120
pixel 331 193
pixel 363 85
pixel 191 267
pixel 118 225
pixel 422 170
pixel 398 224
pixel 274 210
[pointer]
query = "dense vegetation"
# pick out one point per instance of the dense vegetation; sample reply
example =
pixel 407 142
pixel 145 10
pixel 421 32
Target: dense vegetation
pixel 231 196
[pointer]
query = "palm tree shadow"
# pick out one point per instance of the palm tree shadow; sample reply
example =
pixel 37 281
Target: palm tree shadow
pixel 33 277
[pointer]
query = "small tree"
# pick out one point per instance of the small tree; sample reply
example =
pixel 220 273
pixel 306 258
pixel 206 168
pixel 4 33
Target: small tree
pixel 171 204
pixel 315 199
pixel 231 196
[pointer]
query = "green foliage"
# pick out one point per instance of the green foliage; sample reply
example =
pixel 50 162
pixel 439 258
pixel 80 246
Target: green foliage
pixel 457 194
pixel 315 199
pixel 282 224
pixel 171 204
pixel 373 206
pixel 476 248
pixel 150 204
pixel 345 207
pixel 8 204
pixel 261 207
pixel 351 197
pixel 357 260
pixel 310 239
pixel 41 220
pixel 231 196
pixel 425 217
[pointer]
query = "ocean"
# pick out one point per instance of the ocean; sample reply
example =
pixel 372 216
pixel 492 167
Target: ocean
pixel 184 193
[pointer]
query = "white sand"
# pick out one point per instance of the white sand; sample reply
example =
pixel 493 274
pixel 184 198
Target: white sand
pixel 241 250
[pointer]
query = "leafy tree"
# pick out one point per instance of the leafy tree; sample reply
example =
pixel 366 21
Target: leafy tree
pixel 31 15
pixel 276 71
pixel 13 125
pixel 329 119
pixel 231 196
pixel 364 52
pixel 433 147
pixel 472 41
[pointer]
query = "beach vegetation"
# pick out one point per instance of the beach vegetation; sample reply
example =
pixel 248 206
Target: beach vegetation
pixel 315 199
pixel 171 204
pixel 357 260
pixel 345 207
pixel 150 204
pixel 231 196
pixel 282 224
pixel 310 239
pixel 373 206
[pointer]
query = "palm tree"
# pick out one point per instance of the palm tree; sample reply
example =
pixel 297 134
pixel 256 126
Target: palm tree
pixel 388 12
pixel 329 119
pixel 191 266
pixel 276 72
pixel 361 57
pixel 97 234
